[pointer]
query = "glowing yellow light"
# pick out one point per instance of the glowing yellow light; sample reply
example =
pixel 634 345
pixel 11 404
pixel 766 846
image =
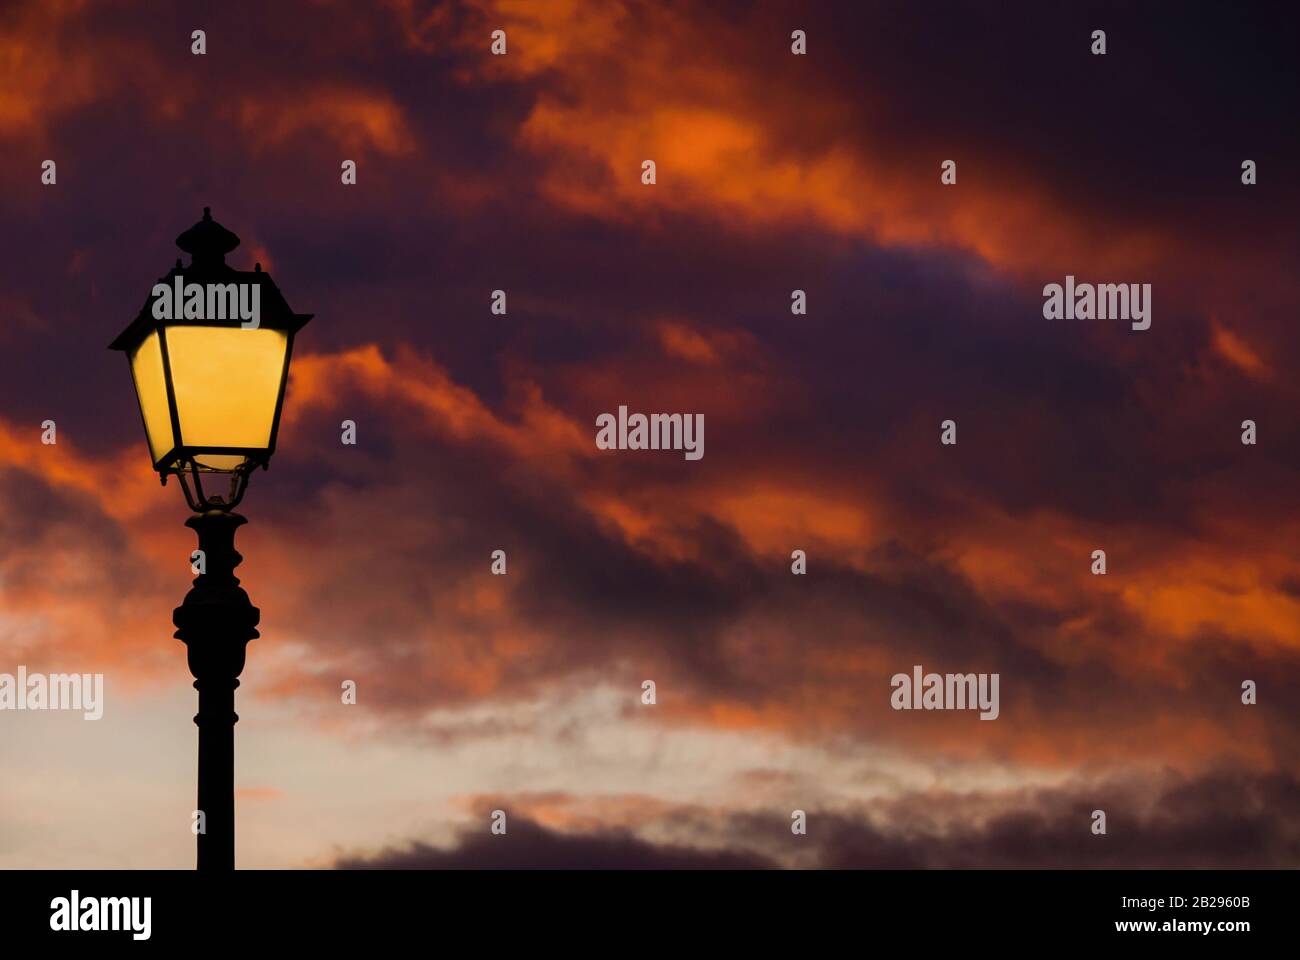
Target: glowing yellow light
pixel 151 388
pixel 227 382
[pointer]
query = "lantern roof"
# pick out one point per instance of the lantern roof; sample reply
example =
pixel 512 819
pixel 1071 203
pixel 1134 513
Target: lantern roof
pixel 207 243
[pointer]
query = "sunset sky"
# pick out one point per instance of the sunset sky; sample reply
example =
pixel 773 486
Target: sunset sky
pixel 476 432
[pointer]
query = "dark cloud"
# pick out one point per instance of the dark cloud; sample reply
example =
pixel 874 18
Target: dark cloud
pixel 528 845
pixel 1220 821
pixel 1223 820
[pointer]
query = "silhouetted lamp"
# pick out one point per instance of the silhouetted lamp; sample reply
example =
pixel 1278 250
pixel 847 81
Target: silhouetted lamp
pixel 211 384
pixel 209 354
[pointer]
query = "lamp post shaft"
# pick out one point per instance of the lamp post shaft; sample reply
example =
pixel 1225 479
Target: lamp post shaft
pixel 215 622
pixel 216 721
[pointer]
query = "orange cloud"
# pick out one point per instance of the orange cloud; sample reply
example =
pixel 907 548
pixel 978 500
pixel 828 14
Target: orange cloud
pixel 40 75
pixel 1233 348
pixel 707 347
pixel 540 433
pixel 353 119
pixel 612 89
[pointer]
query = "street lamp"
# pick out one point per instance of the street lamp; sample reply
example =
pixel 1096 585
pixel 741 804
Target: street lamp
pixel 209 355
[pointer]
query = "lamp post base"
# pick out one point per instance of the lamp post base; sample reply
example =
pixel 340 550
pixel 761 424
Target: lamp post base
pixel 215 622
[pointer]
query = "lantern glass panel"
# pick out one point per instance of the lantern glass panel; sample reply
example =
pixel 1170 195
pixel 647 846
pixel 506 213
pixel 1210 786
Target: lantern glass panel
pixel 227 384
pixel 151 389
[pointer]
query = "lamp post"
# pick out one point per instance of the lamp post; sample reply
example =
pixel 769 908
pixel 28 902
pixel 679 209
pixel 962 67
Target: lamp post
pixel 209 355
